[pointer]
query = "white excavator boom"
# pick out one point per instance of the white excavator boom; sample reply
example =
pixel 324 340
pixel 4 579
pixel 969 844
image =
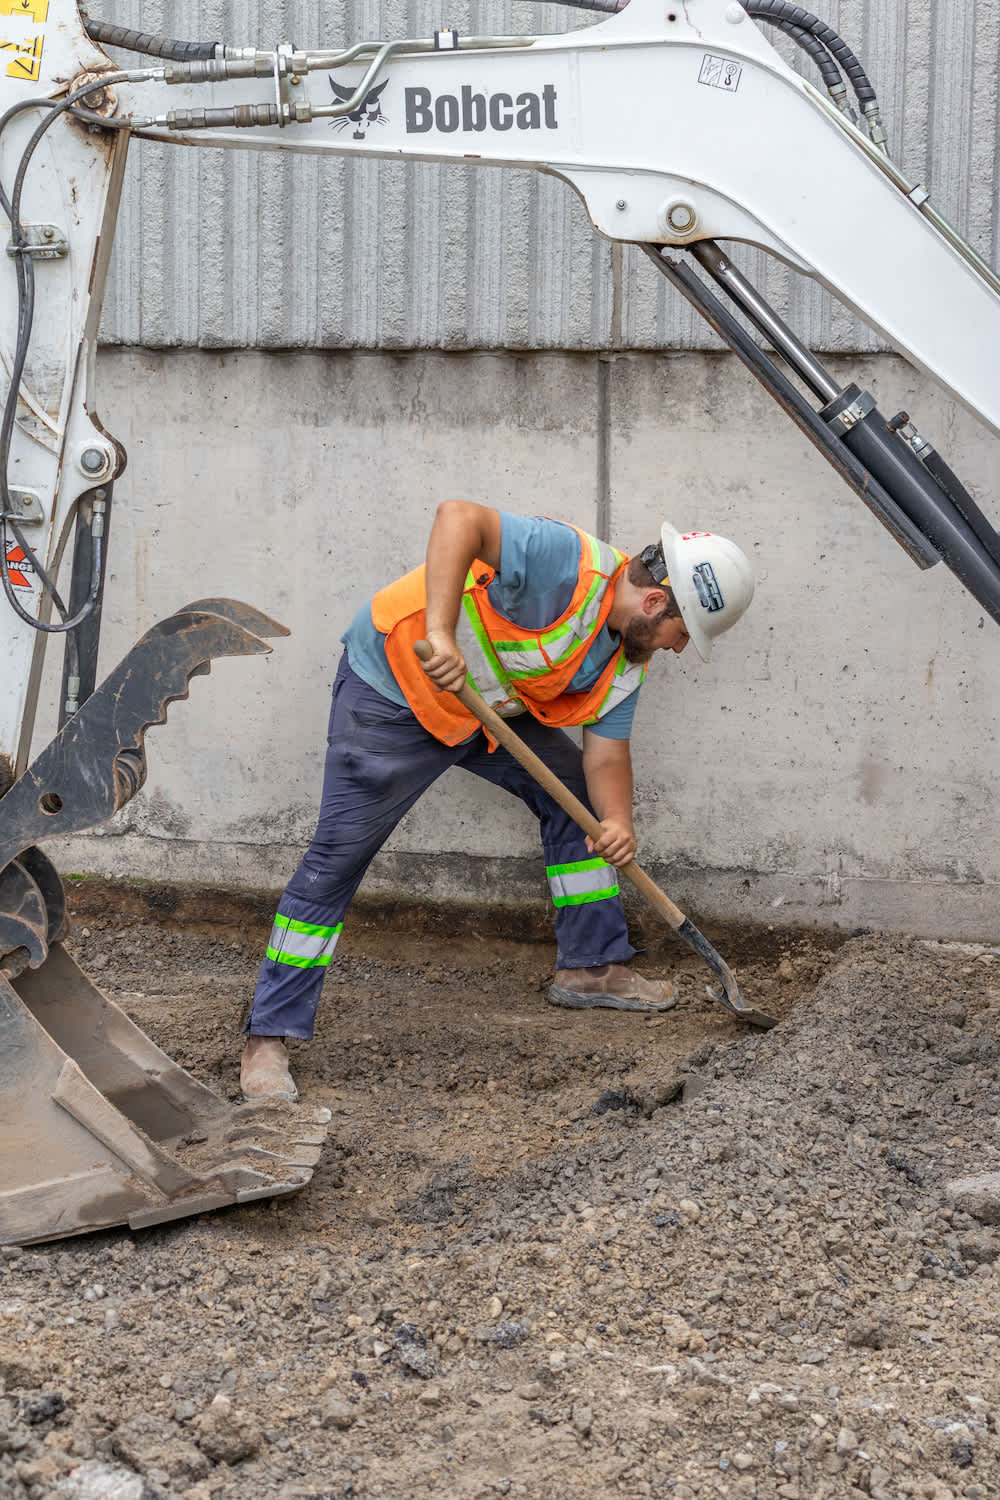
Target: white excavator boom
pixel 677 127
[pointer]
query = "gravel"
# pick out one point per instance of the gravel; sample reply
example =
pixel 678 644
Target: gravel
pixel 777 1279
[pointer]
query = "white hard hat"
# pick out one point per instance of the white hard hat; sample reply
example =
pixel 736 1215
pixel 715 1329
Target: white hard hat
pixel 712 582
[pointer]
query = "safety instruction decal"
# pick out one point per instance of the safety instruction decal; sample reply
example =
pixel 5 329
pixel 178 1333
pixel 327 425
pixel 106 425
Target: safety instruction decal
pixel 35 10
pixel 26 61
pixel 19 568
pixel 720 73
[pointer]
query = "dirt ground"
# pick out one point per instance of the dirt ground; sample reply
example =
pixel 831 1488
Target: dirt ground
pixel 546 1254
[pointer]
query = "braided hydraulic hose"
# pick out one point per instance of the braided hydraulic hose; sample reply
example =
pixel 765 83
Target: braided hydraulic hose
pixel 830 73
pixel 781 11
pixel 804 20
pixel 141 41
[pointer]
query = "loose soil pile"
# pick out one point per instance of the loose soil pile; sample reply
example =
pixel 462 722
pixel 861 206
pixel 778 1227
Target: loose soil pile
pixel 547 1254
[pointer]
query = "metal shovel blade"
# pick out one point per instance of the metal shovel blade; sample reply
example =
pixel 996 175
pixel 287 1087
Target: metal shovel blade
pixel 98 1127
pixel 727 992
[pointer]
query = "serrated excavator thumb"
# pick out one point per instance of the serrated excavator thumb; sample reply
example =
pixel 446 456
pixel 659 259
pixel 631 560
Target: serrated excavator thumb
pixel 98 1127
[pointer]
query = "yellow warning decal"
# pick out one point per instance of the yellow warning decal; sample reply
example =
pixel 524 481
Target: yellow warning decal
pixel 27 60
pixel 38 10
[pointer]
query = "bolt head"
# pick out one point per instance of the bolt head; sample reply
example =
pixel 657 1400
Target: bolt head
pixel 93 460
pixel 621 205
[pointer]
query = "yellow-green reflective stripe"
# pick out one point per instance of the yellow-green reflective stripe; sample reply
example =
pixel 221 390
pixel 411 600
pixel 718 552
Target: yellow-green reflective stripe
pixel 302 945
pixel 485 672
pixel 311 929
pixel 591 606
pixel 605 558
pixel 296 961
pixel 482 636
pixel 579 864
pixel 583 881
pixel 586 897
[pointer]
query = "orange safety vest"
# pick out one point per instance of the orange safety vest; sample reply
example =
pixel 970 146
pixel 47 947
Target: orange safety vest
pixel 513 668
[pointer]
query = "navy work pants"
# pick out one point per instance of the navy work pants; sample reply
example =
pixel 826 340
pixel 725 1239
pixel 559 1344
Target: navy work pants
pixel 379 761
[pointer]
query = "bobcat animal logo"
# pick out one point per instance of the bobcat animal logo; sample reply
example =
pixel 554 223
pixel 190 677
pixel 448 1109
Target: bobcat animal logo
pixel 368 112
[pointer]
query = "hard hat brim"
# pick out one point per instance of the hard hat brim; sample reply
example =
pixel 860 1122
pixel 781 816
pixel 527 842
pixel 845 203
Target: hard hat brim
pixel 684 592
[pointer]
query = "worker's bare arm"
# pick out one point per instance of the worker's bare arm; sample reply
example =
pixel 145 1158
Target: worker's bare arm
pixel 607 766
pixel 462 532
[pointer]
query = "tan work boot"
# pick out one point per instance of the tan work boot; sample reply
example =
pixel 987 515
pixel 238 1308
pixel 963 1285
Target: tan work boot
pixel 611 987
pixel 264 1070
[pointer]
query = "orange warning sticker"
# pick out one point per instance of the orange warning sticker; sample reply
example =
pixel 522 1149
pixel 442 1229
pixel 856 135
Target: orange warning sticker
pixel 27 59
pixel 18 568
pixel 35 10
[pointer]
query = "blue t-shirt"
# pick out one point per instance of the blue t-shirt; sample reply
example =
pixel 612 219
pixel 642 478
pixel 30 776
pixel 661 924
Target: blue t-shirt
pixel 533 587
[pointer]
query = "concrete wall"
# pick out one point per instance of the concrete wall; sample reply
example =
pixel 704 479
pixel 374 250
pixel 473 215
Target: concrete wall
pixel 834 764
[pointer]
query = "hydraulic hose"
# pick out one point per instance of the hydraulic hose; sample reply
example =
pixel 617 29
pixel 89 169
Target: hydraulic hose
pixel 142 41
pixel 963 502
pixel 831 74
pixel 25 275
pixel 780 10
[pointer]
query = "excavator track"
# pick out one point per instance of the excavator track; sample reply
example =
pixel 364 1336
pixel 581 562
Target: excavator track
pixel 98 1126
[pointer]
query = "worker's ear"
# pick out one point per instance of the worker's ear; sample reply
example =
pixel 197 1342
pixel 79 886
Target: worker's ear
pixel 653 601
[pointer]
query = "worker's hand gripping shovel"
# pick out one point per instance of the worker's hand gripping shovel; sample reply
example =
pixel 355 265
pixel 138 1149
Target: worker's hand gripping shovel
pixel 728 996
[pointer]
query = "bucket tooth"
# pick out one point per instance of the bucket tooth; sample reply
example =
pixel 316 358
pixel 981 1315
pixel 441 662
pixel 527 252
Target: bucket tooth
pixel 97 761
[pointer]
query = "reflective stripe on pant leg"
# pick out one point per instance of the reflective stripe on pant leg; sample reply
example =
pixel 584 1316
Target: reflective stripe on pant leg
pixel 302 945
pixel 581 882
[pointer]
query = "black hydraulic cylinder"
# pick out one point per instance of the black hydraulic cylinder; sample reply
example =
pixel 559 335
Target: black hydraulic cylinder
pixel 962 500
pixel 865 484
pixel 963 547
pixel 80 658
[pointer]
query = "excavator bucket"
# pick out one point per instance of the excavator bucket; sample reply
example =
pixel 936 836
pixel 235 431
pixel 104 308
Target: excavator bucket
pixel 98 1127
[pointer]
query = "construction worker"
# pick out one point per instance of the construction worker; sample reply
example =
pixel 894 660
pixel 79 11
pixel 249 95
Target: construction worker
pixel 552 625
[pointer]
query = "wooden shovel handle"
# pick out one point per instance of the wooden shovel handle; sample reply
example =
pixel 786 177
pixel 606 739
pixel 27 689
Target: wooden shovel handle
pixel 560 793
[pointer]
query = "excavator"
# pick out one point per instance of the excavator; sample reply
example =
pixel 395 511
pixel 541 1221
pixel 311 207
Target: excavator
pixel 683 130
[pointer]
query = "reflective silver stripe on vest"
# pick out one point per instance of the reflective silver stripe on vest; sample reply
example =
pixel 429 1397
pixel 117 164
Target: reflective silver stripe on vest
pixel 625 681
pixel 584 881
pixel 604 559
pixel 302 945
pixel 519 660
pixel 470 633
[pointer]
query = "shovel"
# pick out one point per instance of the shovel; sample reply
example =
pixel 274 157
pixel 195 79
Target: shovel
pixel 728 996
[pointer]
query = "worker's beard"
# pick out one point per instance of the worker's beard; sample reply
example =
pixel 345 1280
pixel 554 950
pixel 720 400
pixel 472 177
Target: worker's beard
pixel 639 636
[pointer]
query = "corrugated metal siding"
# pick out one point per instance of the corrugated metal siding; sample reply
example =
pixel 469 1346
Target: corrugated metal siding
pixel 244 249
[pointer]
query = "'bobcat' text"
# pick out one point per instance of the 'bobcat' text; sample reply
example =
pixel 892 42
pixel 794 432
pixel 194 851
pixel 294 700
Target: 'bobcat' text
pixel 473 111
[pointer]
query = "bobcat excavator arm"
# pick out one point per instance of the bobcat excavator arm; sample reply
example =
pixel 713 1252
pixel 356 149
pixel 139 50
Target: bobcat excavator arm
pixel 679 126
